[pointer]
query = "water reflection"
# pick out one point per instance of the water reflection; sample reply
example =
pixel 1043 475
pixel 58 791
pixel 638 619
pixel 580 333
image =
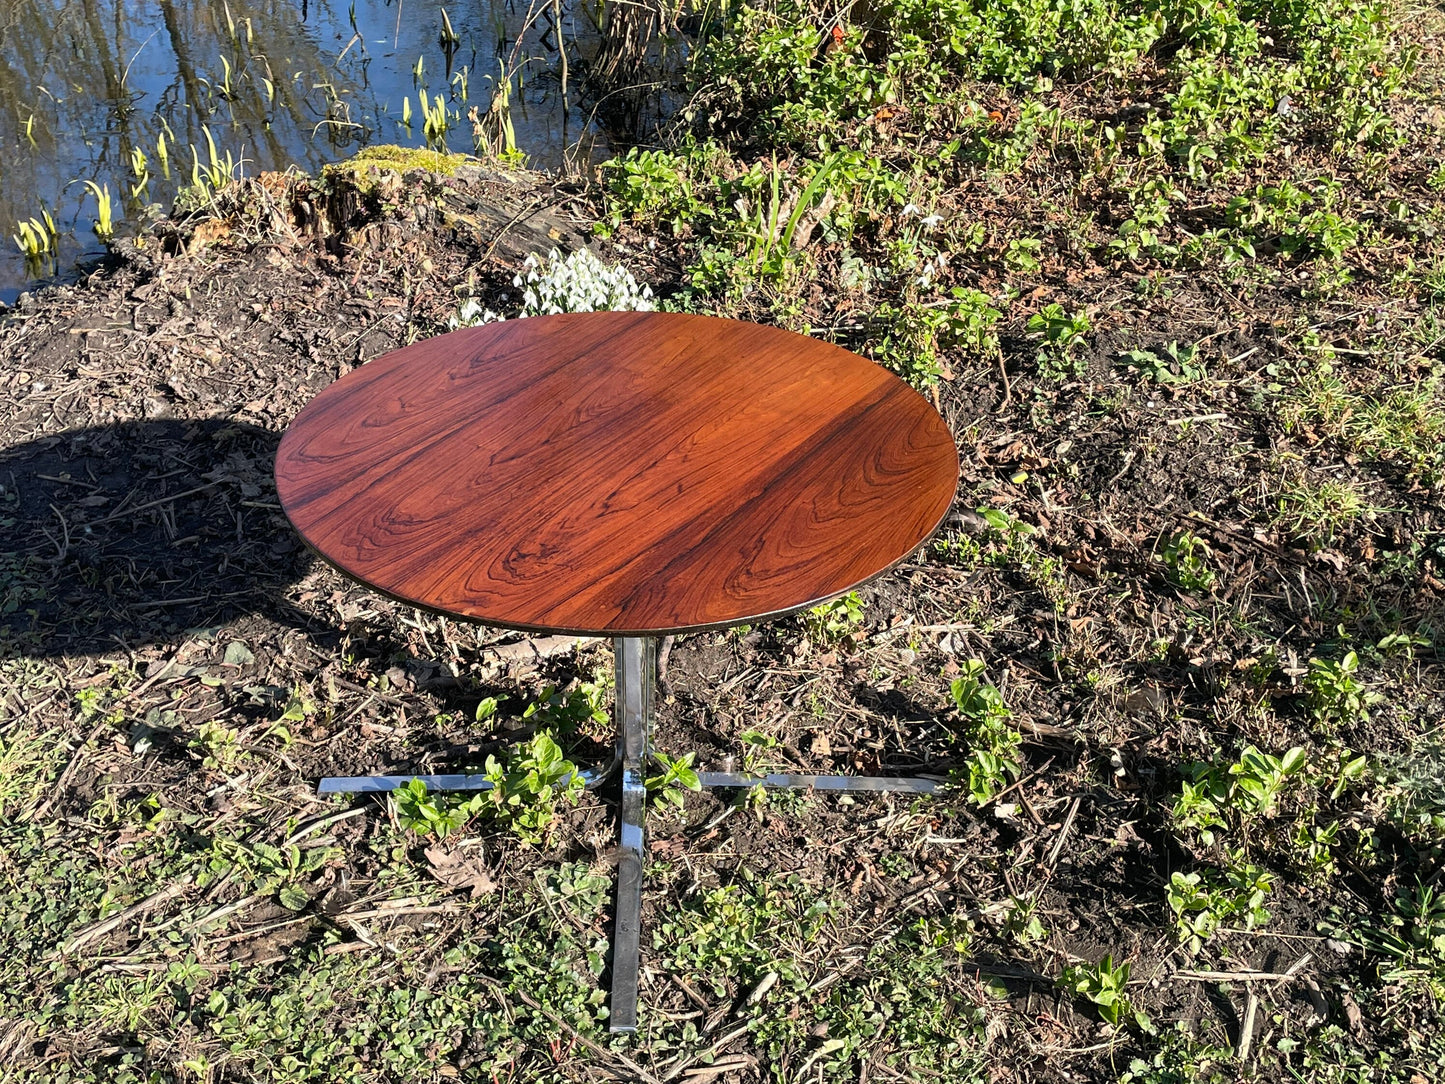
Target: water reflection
pixel 120 92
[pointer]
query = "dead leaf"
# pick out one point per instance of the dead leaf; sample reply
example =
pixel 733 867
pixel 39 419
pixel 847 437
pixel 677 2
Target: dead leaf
pixel 458 870
pixel 1353 1016
pixel 1147 699
pixel 210 232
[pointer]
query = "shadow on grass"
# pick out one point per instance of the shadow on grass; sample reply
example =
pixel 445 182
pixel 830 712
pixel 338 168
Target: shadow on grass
pixel 122 536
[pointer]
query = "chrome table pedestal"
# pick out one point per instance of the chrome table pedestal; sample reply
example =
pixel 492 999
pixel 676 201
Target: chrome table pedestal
pixel 636 665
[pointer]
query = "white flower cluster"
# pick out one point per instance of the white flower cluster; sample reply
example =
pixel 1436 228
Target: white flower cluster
pixel 579 283
pixel 470 313
pixel 928 222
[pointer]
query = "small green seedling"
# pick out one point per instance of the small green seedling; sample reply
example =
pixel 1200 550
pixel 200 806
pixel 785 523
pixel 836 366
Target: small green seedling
pixel 1403 643
pixel 299 708
pixel 987 773
pixel 979 704
pixel 1335 695
pixel 1169 364
pixel 1315 846
pixel 432 814
pixel 1420 919
pixel 1023 255
pixel 566 712
pixel 526 789
pixel 1259 778
pixel 677 776
pixel 270 868
pixel 835 621
pixel 218 744
pixel 983 713
pixel 104 210
pixel 1231 794
pixel 983 719
pixel 755 761
pixel 449 39
pixel 1022 923
pixel 37 237
pixel 1186 555
pixel 1103 984
pixel 1062 332
pixel 1204 901
pixel 140 168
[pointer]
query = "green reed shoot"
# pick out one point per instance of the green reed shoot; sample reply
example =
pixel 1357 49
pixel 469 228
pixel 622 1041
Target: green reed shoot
pixel 140 169
pixel 435 121
pixel 104 208
pixel 217 172
pixel 37 238
pixel 225 90
pixel 449 39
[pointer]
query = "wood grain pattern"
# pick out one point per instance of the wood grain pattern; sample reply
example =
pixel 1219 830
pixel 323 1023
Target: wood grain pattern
pixel 616 473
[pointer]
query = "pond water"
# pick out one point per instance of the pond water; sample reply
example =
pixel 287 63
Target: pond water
pixel 133 96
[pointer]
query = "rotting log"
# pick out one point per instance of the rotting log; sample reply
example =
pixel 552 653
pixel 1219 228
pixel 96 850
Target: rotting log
pixel 375 200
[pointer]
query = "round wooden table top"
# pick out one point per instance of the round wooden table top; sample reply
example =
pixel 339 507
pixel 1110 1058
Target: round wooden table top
pixel 617 473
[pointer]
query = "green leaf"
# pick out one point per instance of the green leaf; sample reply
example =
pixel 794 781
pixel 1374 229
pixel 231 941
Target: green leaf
pixel 293 897
pixel 238 654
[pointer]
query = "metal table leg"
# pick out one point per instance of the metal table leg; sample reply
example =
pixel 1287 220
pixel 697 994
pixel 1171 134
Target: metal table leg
pixel 636 659
pixel 911 785
pixel 369 784
pixel 636 666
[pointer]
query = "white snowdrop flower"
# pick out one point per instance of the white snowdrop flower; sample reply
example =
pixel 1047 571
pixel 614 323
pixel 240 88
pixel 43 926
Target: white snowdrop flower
pixel 911 210
pixel 580 282
pixel 470 313
pixel 931 222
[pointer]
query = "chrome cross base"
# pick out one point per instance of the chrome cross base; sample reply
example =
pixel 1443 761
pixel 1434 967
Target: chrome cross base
pixel 636 663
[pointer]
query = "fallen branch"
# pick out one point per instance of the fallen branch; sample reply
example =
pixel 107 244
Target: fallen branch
pixel 687 1063
pixel 100 929
pixel 600 1051
pixel 1064 832
pixel 1233 976
pixel 1246 976
pixel 535 648
pixel 1246 1030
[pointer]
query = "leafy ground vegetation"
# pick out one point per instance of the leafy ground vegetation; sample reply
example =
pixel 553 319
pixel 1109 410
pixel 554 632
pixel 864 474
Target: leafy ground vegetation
pixel 1173 272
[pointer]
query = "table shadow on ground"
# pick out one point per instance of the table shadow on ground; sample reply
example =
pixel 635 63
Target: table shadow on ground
pixel 122 536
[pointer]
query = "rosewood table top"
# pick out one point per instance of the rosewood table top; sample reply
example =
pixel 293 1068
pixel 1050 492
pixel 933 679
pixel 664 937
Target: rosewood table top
pixel 617 474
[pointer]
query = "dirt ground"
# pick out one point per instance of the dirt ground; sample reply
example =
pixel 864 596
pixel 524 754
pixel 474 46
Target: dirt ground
pixel 147 560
